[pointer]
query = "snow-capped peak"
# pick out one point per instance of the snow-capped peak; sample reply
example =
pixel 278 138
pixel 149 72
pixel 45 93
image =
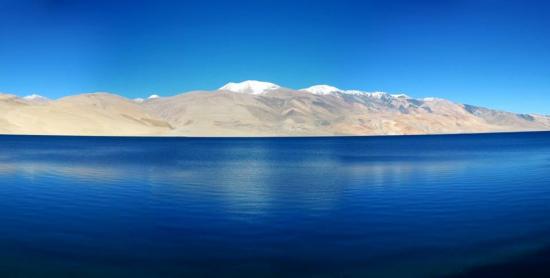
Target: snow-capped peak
pixel 259 87
pixel 139 100
pixel 153 97
pixel 322 89
pixel 250 87
pixel 355 92
pixel 433 99
pixel 400 96
pixel 327 90
pixel 35 97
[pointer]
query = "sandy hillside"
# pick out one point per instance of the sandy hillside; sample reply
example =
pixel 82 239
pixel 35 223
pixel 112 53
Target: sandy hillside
pixel 88 114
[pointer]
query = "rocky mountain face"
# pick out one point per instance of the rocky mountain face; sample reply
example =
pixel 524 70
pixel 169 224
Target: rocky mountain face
pixel 254 108
pixel 261 108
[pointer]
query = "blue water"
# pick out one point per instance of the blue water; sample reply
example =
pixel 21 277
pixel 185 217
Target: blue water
pixel 415 206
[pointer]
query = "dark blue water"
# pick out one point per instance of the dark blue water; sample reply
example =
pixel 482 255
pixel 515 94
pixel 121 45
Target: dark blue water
pixel 415 206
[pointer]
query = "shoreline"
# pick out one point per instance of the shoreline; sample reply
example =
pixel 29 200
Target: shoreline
pixel 279 137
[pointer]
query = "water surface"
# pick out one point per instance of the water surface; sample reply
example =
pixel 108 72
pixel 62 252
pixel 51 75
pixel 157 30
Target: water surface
pixel 413 206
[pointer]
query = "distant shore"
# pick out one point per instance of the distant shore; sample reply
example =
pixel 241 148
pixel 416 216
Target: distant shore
pixel 283 137
pixel 273 111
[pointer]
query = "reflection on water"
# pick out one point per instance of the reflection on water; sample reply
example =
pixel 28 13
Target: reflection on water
pixel 167 207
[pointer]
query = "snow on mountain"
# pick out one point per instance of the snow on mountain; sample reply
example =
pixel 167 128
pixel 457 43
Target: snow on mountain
pixel 259 87
pixel 433 99
pixel 378 95
pixel 139 100
pixel 320 110
pixel 355 92
pixel 322 90
pixel 35 97
pixel 400 96
pixel 250 87
pixel 327 90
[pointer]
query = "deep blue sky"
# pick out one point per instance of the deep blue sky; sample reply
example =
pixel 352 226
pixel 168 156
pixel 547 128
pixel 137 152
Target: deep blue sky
pixel 490 53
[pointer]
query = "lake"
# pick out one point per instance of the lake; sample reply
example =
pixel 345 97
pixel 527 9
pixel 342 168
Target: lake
pixel 406 206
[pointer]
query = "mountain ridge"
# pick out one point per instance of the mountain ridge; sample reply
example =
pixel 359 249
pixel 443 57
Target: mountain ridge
pixel 256 108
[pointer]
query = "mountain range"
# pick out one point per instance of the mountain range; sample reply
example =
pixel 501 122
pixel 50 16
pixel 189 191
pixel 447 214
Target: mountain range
pixel 255 108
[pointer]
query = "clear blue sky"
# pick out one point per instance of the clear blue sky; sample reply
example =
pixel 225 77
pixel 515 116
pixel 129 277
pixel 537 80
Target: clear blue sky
pixel 490 53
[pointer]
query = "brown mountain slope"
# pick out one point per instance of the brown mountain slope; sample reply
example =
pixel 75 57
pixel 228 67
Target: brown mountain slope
pixel 254 108
pixel 286 112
